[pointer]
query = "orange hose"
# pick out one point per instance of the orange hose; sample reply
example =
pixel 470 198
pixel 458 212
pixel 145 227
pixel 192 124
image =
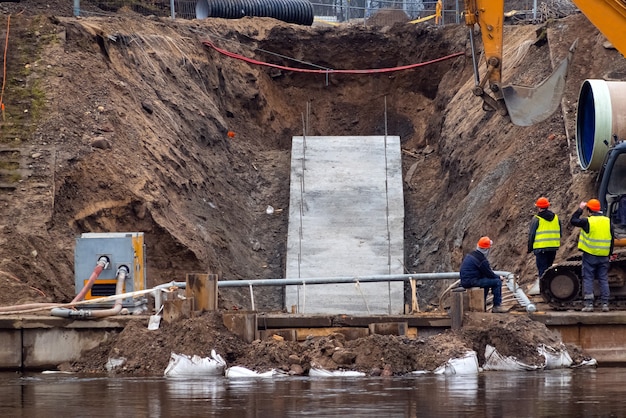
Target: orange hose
pixel 96 272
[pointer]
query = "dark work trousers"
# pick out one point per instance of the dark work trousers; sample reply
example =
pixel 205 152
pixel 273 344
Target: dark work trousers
pixel 595 267
pixel 544 259
pixel 495 285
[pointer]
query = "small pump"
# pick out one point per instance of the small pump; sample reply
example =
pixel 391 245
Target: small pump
pixel 101 259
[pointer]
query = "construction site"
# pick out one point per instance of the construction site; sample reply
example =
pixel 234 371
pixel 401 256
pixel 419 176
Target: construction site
pixel 329 174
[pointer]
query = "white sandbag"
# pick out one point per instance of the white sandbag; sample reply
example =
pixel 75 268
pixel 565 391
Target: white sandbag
pixel 496 361
pixel 315 372
pixel 182 365
pixel 114 362
pixel 555 358
pixel 586 363
pixel 239 371
pixel 467 364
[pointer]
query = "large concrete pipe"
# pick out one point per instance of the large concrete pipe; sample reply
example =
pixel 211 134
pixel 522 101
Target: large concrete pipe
pixel 600 120
pixel 291 11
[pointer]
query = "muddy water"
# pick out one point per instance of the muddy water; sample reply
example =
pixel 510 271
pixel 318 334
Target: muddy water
pixel 579 393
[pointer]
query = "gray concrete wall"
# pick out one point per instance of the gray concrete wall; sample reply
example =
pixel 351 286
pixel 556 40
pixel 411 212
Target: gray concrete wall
pixel 39 342
pixel 346 218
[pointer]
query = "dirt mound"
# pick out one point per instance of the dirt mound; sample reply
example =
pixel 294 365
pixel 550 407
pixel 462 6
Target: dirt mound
pixel 140 351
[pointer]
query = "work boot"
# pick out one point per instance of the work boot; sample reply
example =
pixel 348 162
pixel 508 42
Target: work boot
pixel 498 309
pixel 605 307
pixel 588 306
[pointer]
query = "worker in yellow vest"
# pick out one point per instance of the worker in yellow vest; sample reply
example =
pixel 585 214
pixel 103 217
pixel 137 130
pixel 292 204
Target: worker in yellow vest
pixel 544 235
pixel 596 243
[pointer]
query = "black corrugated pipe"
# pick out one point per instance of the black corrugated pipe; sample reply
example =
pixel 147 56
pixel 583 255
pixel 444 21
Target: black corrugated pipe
pixel 299 12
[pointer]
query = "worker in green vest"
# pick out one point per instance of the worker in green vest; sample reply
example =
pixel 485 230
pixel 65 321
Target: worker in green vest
pixel 596 243
pixel 544 235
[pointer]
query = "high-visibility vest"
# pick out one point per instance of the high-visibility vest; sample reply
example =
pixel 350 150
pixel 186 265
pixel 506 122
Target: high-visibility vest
pixel 598 240
pixel 548 234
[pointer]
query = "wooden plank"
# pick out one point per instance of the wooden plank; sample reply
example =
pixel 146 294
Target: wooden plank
pixel 389 328
pixel 293 321
pixel 423 319
pixel 286 334
pixel 412 333
pixel 348 333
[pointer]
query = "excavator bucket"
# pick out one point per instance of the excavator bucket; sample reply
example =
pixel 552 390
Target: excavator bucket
pixel 529 105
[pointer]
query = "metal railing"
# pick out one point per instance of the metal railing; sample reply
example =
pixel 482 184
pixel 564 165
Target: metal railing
pixel 519 294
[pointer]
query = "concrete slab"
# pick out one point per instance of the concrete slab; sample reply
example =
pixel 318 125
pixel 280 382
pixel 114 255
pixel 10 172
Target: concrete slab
pixel 346 218
pixel 10 349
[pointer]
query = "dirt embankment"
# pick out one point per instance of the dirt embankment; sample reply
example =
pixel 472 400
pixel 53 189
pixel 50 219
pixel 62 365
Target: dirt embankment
pixel 130 134
pixel 140 351
pixel 120 124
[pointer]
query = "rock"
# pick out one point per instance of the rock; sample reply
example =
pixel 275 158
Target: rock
pixel 343 356
pixel 296 369
pixel 101 143
pixel 147 106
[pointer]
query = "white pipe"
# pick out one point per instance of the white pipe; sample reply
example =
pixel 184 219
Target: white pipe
pixel 158 290
pixel 122 272
pixel 252 298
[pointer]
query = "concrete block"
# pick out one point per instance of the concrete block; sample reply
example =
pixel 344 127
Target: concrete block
pixel 10 349
pixel 45 348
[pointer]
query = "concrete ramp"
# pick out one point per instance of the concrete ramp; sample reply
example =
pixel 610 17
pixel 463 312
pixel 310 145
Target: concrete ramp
pixel 346 218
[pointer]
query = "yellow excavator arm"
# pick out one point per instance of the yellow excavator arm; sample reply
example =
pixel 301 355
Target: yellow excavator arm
pixel 526 106
pixel 609 16
pixel 489 15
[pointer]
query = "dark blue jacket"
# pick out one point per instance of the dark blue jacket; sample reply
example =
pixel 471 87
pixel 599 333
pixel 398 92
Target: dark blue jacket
pixel 475 267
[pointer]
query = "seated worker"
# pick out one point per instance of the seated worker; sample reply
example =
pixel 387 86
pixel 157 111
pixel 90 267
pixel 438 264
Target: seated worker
pixel 476 272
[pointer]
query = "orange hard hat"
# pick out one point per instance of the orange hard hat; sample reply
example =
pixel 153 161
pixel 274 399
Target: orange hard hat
pixel 542 203
pixel 594 205
pixel 484 242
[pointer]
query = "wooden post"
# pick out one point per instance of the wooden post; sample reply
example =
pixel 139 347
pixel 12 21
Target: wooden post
pixel 243 324
pixel 414 305
pixel 175 308
pixel 456 308
pixel 476 299
pixel 202 288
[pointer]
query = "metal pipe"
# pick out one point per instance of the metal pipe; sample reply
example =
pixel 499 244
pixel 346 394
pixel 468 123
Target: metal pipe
pixel 474 59
pixel 343 279
pixel 510 281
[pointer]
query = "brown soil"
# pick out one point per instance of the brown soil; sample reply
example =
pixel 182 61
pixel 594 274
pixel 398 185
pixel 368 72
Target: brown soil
pixel 146 352
pixel 120 123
